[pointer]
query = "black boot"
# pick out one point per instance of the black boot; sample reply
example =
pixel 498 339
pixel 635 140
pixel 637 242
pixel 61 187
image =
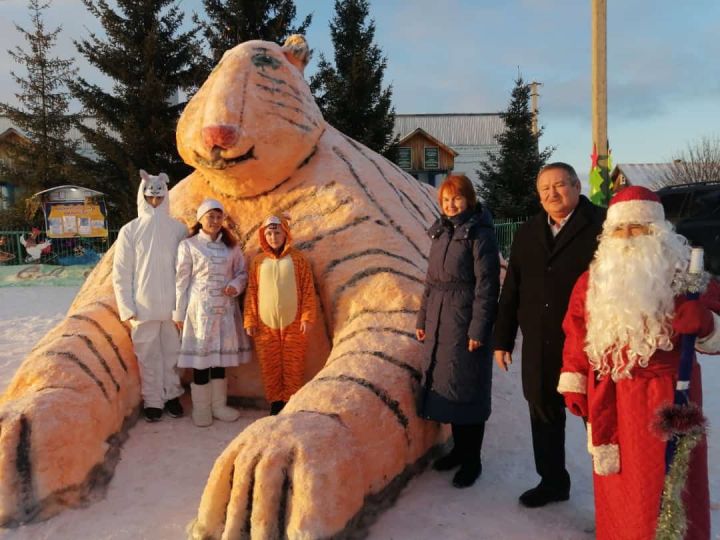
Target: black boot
pixel 173 408
pixel 152 414
pixel 541 495
pixel 454 458
pixel 471 466
pixel 276 407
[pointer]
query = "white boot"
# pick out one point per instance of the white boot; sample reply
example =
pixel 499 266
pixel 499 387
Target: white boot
pixel 220 410
pixel 201 404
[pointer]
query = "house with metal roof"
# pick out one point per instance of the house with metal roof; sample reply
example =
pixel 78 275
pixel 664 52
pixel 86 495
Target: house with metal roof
pixel 649 175
pixel 73 134
pixel 472 136
pixel 10 135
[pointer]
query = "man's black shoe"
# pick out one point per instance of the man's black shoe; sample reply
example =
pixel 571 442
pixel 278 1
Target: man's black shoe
pixel 448 462
pixel 152 414
pixel 540 496
pixel 468 473
pixel 173 408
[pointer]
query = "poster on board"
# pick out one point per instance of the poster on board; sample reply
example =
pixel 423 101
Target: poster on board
pixel 67 220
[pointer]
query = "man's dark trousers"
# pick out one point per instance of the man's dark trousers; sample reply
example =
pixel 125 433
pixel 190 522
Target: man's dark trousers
pixel 548 437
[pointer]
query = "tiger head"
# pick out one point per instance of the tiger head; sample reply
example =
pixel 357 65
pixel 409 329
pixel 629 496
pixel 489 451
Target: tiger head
pixel 254 121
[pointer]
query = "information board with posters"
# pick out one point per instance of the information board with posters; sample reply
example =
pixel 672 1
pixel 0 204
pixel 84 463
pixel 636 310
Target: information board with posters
pixel 73 211
pixel 66 219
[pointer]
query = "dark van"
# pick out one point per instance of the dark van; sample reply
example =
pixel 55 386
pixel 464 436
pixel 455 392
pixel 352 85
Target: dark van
pixel 694 209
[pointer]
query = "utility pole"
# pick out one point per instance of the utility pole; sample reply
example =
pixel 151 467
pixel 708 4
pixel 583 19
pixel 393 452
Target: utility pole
pixel 534 104
pixel 599 92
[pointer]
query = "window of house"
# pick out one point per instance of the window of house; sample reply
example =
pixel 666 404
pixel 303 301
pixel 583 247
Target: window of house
pixel 5 194
pixel 432 158
pixel 404 157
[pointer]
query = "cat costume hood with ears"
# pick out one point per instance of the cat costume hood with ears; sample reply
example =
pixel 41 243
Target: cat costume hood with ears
pixel 153 186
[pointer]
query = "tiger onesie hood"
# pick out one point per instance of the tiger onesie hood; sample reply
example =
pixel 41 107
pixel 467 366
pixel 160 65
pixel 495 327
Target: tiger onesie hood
pixel 259 144
pixel 282 221
pixel 280 296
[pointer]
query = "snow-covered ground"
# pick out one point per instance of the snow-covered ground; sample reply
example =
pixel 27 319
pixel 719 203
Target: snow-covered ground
pixel 158 482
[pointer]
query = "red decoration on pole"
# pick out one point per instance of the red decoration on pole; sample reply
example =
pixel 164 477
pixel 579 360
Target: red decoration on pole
pixel 594 157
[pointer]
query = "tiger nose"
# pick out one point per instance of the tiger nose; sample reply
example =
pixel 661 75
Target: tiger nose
pixel 221 136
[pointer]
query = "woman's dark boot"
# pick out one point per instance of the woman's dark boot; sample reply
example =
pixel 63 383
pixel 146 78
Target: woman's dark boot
pixel 454 458
pixel 471 466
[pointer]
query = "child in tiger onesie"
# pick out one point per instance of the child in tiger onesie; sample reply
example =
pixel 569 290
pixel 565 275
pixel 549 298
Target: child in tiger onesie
pixel 279 311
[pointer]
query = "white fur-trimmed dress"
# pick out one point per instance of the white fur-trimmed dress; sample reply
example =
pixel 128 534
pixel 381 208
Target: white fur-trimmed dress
pixel 212 335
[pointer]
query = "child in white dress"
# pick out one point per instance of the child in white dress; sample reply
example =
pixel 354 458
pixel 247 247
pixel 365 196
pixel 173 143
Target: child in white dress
pixel 210 274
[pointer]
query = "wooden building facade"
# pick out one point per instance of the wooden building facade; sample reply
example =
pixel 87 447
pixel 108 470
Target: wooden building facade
pixel 9 192
pixel 424 157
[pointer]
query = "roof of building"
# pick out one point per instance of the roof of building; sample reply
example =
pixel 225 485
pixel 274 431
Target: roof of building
pixel 642 174
pixel 421 131
pixel 455 129
pixel 79 191
pixel 11 132
pixel 73 134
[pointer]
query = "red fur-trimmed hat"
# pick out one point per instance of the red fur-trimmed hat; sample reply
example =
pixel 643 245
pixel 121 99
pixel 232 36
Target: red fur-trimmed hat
pixel 634 204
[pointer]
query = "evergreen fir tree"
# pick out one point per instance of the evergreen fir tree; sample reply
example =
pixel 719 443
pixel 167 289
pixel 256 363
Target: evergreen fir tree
pixel 48 157
pixel 508 177
pixel 150 60
pixel 350 93
pixel 231 22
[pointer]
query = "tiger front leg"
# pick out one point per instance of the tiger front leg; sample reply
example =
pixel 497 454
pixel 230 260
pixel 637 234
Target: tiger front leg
pixel 62 416
pixel 342 438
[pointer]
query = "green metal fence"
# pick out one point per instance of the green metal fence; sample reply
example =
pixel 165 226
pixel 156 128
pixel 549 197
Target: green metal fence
pixel 505 232
pixel 66 251
pixel 62 251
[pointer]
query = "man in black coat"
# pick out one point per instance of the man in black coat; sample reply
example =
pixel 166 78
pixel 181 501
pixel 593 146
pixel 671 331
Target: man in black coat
pixel 548 255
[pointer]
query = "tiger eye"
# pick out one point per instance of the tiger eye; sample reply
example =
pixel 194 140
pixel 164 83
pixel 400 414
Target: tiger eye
pixel 263 60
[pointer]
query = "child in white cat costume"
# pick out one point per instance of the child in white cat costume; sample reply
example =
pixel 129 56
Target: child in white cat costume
pixel 143 277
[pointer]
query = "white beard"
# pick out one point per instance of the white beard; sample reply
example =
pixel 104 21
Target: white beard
pixel 631 299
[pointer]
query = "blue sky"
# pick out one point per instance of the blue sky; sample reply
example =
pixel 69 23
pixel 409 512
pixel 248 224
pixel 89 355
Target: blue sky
pixel 463 56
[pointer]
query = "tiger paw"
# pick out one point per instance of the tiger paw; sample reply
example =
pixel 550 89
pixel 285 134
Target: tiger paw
pixel 295 475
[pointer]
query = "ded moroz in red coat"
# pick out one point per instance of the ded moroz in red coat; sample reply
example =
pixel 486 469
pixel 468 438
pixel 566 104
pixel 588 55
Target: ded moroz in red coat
pixel 628 455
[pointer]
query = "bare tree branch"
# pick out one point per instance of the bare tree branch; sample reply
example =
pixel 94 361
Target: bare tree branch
pixel 699 162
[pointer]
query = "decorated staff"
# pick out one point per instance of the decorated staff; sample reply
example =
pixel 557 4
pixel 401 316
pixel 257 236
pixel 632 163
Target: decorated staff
pixel 682 423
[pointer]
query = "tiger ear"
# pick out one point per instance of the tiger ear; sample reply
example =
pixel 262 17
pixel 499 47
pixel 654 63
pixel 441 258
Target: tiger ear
pixel 164 177
pixel 297 52
pixel 144 175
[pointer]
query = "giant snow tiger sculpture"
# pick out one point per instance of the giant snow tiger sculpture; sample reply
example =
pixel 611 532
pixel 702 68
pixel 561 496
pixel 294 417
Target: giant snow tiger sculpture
pixel 258 143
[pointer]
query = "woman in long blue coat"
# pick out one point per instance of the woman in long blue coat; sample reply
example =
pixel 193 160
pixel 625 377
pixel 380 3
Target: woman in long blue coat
pixel 455 323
